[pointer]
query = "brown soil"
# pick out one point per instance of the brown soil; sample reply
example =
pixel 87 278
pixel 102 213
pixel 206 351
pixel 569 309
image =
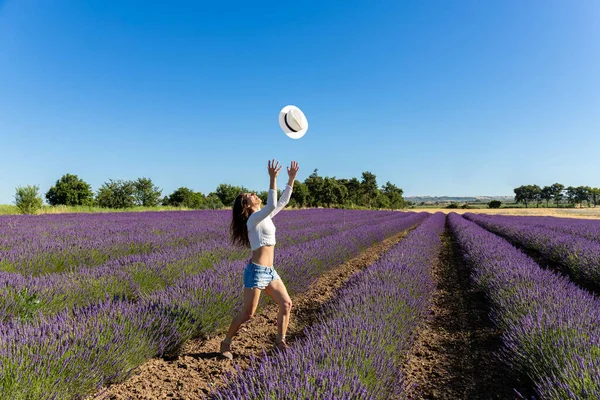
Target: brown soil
pixel 199 368
pixel 455 354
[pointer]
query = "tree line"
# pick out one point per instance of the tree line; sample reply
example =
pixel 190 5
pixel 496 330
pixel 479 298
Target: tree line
pixel 557 194
pixel 315 191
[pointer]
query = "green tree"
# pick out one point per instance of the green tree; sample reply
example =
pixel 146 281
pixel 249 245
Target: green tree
pixel 494 204
pixel 332 192
pixel 522 195
pixel 184 197
pixel 146 194
pixel 340 191
pixel 557 192
pixel 212 202
pixel 116 194
pixel 547 195
pixel 382 201
pixel 353 186
pixel 536 194
pixel 368 188
pixel 571 193
pixel 583 193
pixel 527 193
pixel 197 201
pixel 394 195
pixel 300 194
pixel 314 183
pixel 343 182
pixel 328 192
pixel 227 193
pixel 69 190
pixel 595 196
pixel 28 199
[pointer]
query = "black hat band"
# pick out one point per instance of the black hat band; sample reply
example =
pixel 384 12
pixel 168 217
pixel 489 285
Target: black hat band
pixel 288 125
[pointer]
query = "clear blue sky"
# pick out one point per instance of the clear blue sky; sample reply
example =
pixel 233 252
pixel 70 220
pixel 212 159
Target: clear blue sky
pixel 438 97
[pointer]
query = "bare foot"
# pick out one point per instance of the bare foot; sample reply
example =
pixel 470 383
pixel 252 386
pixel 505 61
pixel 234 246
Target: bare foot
pixel 226 350
pixel 281 345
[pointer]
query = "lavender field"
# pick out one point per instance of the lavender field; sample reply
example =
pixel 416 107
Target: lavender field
pixel 88 298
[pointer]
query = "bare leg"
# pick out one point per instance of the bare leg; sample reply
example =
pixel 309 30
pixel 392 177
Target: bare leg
pixel 251 297
pixel 277 291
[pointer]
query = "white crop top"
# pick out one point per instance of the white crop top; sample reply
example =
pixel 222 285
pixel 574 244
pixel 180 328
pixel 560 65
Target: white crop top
pixel 261 230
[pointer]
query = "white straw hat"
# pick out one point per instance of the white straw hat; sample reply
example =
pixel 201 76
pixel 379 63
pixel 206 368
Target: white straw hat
pixel 293 122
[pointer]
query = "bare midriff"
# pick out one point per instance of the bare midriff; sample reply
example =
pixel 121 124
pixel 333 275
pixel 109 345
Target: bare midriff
pixel 264 256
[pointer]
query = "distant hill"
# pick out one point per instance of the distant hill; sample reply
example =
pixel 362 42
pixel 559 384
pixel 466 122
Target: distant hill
pixel 450 199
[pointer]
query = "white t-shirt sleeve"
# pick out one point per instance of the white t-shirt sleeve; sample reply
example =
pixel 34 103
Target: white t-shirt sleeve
pixel 285 198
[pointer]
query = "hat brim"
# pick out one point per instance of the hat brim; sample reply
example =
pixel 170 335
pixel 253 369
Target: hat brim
pixel 285 128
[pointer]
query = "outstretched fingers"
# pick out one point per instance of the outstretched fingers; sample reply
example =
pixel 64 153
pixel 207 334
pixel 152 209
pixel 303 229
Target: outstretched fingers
pixel 274 167
pixel 293 168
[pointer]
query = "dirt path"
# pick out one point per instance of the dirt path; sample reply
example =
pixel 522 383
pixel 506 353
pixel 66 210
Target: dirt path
pixel 199 367
pixel 454 356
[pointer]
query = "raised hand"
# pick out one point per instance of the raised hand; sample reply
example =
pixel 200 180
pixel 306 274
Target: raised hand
pixel 293 170
pixel 274 168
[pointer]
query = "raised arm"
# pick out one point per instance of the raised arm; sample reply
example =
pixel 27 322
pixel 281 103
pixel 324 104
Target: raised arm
pixel 287 193
pixel 285 198
pixel 264 212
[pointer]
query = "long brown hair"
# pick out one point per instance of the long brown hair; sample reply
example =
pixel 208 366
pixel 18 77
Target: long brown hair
pixel 238 229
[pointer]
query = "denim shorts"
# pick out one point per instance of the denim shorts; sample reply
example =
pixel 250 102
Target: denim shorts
pixel 258 276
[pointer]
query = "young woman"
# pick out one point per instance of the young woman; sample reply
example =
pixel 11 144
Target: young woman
pixel 252 226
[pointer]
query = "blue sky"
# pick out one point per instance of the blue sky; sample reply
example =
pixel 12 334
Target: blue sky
pixel 438 97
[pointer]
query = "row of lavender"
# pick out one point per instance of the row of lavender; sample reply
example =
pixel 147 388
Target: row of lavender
pixel 580 255
pixel 137 275
pixel 551 327
pixel 75 352
pixel 357 346
pixel 587 228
